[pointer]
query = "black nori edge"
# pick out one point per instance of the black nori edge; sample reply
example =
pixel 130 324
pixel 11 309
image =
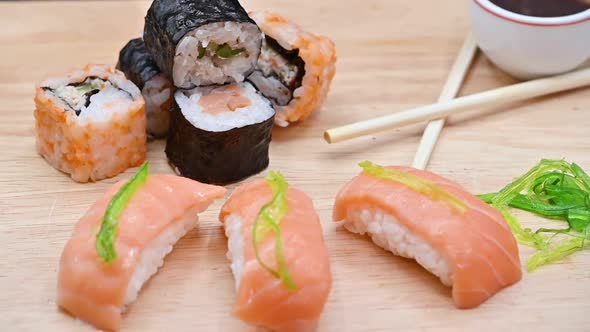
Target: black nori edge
pixel 217 157
pixel 137 63
pixel 168 21
pixel 293 58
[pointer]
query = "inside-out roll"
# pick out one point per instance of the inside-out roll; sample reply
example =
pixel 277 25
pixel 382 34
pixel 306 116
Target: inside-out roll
pixel 295 68
pixel 139 66
pixel 202 42
pixel 90 123
pixel 220 134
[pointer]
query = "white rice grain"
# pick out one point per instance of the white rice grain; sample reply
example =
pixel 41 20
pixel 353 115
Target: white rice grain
pixel 191 71
pixel 235 246
pixel 388 233
pixel 152 257
pixel 259 111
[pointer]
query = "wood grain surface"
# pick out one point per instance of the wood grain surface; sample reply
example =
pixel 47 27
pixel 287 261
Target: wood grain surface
pixel 393 54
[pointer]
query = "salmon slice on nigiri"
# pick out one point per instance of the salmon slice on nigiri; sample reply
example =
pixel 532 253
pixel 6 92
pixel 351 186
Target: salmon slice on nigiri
pixel 162 210
pixel 287 286
pixel 448 231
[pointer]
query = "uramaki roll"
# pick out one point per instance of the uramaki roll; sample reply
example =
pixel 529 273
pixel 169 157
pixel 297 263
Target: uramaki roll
pixel 90 123
pixel 202 42
pixel 138 65
pixel 295 68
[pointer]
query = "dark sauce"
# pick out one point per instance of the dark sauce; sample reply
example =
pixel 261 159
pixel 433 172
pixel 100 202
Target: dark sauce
pixel 543 8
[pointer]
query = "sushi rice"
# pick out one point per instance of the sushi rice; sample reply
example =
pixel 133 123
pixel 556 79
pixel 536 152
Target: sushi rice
pixel 152 257
pixel 258 111
pixel 190 69
pixel 158 93
pixel 388 233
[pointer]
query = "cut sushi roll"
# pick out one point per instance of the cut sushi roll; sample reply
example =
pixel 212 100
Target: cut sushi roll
pixel 202 42
pixel 90 123
pixel 139 66
pixel 422 216
pixel 122 241
pixel 295 68
pixel 278 256
pixel 220 134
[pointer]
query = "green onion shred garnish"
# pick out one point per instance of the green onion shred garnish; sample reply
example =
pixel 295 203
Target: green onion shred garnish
pixel 105 238
pixel 223 51
pixel 416 183
pixel 553 189
pixel 268 220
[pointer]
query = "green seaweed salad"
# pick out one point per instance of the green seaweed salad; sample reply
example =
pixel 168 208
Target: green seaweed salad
pixel 554 189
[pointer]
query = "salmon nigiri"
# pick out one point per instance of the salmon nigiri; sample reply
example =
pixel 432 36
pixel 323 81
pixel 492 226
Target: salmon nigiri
pixel 122 241
pixel 286 287
pixel 420 215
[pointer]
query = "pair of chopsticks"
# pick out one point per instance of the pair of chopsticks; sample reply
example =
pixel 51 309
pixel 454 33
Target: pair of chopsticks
pixel 447 106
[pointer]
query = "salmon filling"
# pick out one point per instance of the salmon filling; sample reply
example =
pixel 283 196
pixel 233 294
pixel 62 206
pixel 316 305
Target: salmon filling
pixel 227 98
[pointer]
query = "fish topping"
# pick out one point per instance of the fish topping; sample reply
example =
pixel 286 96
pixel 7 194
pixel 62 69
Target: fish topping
pixel 416 183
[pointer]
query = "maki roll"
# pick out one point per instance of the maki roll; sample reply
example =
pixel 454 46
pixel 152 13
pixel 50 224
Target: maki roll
pixel 202 42
pixel 139 66
pixel 220 134
pixel 90 123
pixel 295 68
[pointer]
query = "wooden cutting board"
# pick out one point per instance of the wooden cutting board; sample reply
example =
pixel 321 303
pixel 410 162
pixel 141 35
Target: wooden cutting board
pixel 393 54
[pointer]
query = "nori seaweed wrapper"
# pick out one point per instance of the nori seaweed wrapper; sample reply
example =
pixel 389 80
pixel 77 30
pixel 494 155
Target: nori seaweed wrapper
pixel 168 21
pixel 218 157
pixel 137 63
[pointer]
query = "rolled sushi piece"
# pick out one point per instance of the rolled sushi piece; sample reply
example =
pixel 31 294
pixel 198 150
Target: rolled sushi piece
pixel 278 256
pixel 121 242
pixel 422 216
pixel 202 42
pixel 138 65
pixel 90 123
pixel 295 68
pixel 220 134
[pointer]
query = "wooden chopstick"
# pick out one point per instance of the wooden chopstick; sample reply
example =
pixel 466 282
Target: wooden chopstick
pixel 450 90
pixel 513 93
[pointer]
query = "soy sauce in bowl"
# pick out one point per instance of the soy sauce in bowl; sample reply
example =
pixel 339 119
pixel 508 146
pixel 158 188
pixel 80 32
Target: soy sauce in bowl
pixel 544 8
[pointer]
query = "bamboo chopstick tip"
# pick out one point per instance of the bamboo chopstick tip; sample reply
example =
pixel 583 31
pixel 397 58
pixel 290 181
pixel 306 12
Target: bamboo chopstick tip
pixel 327 137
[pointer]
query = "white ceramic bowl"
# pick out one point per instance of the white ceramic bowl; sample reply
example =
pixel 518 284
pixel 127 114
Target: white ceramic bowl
pixel 529 47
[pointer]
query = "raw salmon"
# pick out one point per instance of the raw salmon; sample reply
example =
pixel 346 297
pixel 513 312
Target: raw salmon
pixel 474 252
pixel 262 299
pixel 163 210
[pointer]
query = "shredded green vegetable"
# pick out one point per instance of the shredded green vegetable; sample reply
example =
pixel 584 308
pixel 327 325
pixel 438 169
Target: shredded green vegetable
pixel 223 51
pixel 553 189
pixel 268 220
pixel 85 88
pixel 105 238
pixel 416 183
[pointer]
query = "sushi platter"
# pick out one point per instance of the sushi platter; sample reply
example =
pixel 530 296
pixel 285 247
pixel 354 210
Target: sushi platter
pixel 215 165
